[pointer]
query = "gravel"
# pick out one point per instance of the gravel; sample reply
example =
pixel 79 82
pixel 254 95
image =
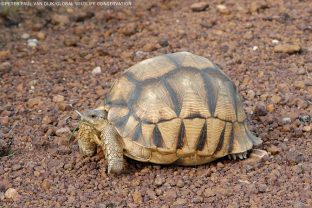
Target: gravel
pixel 41 87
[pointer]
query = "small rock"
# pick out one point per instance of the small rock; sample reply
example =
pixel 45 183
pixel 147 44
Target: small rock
pixel 4 55
pixel 62 131
pixel 25 36
pixel 171 194
pixel 257 155
pixel 163 42
pixel 96 70
pixel 71 41
pixel 41 35
pixel 4 120
pixel 58 98
pixel 47 120
pixel 59 19
pixel 5 67
pixel 251 94
pixel 256 6
pixel 199 6
pixel 287 48
pixel 16 167
pixel 273 150
pixel 180 202
pixel 294 157
pixel 149 47
pixel 45 185
pixel 99 91
pixel 32 42
pixel 34 101
pixel 307 128
pixel 305 119
pixel 262 187
pixel 301 71
pixel 223 9
pixel 11 193
pixel 260 110
pixel 286 120
pixel 274 41
pixel 129 29
pixel 180 183
pixel 158 181
pixel 270 108
pixel 299 84
pixel 276 99
pixel 137 197
pixel 209 192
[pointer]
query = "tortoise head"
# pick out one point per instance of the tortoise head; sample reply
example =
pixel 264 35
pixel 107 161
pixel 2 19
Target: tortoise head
pixel 96 118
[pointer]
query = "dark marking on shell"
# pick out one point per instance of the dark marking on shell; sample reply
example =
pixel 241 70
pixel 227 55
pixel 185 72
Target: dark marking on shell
pixel 173 96
pixel 181 136
pixel 212 93
pixel 231 139
pixel 137 132
pixel 157 137
pixel 221 140
pixel 122 121
pixel 202 137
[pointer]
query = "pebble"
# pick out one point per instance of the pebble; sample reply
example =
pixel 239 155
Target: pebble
pixel 149 47
pixel 58 98
pixel 137 197
pixel 270 107
pixel 180 202
pixel 47 120
pixel 307 128
pixel 41 35
pixel 34 101
pixel 260 110
pixel 158 181
pixel 163 42
pixel 16 167
pixel 32 42
pixel 171 194
pixel 45 185
pixel 286 120
pixel 11 193
pixel 199 6
pixel 5 67
pixel 294 157
pixel 129 29
pixel 4 54
pixel 4 120
pixel 180 183
pixel 96 70
pixel 258 154
pixel 25 36
pixel 274 41
pixel 301 71
pixel 62 131
pixel 273 150
pixel 59 19
pixel 299 84
pixel 223 9
pixel 71 41
pixel 287 48
pixel 209 192
pixel 276 99
pixel 256 6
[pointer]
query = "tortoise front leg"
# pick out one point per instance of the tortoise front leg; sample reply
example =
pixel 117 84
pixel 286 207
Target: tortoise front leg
pixel 86 140
pixel 113 149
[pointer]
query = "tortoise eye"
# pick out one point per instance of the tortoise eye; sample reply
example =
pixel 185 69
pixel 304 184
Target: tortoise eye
pixel 93 116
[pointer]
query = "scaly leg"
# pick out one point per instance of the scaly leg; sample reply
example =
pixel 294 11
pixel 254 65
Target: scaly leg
pixel 86 140
pixel 113 149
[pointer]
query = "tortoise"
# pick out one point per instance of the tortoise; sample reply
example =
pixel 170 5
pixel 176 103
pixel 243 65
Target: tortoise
pixel 176 108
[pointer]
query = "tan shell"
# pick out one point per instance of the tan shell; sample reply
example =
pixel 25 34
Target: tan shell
pixel 178 108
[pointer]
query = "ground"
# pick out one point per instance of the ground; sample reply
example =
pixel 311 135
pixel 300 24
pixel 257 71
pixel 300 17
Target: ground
pixel 265 47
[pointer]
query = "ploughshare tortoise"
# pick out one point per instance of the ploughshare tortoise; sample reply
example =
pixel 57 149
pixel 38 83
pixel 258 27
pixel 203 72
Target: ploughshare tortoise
pixel 176 108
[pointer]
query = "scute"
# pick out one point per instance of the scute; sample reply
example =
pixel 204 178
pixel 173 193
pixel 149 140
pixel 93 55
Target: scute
pixel 178 107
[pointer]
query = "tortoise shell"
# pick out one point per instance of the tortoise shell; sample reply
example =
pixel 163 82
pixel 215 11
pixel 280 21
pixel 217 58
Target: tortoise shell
pixel 180 108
